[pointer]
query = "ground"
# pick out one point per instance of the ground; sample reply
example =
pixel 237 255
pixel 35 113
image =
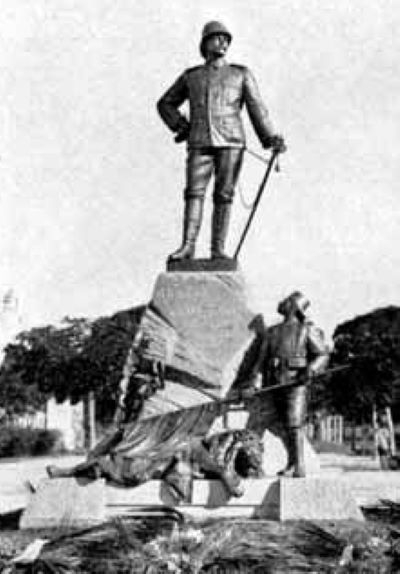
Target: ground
pixel 130 545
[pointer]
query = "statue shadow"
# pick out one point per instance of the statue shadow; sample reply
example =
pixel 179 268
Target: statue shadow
pixel 212 494
pixel 270 504
pixel 217 495
pixel 167 495
pixel 207 493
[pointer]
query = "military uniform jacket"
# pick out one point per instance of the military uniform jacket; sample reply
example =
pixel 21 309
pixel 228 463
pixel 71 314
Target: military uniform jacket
pixel 288 349
pixel 216 95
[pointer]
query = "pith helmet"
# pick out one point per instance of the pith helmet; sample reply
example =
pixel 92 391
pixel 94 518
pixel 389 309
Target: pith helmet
pixel 296 301
pixel 210 29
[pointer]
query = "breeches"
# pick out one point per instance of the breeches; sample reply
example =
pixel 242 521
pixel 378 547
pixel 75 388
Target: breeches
pixel 224 163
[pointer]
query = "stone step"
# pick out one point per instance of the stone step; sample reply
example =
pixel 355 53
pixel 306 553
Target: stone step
pixel 70 502
pixel 327 496
pixel 209 497
pixel 370 487
pixel 313 498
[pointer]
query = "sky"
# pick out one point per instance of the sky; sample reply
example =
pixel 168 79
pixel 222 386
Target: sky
pixel 91 181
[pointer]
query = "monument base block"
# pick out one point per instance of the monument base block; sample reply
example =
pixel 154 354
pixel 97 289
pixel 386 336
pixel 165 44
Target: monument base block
pixel 65 503
pixel 311 498
pixel 269 498
pixel 198 325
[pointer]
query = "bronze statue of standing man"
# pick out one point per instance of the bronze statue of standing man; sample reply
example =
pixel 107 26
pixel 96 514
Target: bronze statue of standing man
pixel 216 92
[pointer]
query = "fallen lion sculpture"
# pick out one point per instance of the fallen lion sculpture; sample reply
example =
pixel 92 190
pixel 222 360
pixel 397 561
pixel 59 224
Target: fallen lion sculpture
pixel 228 456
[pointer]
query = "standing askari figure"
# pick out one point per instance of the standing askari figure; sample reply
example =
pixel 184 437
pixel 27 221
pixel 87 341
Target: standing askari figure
pixel 291 353
pixel 216 92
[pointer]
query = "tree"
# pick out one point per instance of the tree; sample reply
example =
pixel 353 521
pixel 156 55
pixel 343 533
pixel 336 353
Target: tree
pixel 16 396
pixel 370 346
pixel 68 361
pixel 106 350
pixel 39 364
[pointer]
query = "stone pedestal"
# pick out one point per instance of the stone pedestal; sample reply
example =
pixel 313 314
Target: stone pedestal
pixel 65 502
pixel 198 325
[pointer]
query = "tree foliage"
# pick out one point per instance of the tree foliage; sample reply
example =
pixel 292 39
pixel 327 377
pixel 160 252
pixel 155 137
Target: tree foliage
pixel 68 361
pixel 106 350
pixel 370 346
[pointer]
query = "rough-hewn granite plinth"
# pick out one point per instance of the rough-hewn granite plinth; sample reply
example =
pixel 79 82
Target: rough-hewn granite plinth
pixel 65 502
pixel 198 324
pixel 310 498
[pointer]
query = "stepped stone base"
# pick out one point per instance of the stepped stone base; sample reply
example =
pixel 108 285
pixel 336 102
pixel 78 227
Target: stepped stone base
pixel 371 487
pixel 65 502
pixel 367 488
pixel 268 498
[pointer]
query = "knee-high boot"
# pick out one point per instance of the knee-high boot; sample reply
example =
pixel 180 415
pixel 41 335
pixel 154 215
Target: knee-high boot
pixel 191 226
pixel 295 449
pixel 220 224
pixel 299 464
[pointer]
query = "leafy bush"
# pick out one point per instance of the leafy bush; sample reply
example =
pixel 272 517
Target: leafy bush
pixel 17 441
